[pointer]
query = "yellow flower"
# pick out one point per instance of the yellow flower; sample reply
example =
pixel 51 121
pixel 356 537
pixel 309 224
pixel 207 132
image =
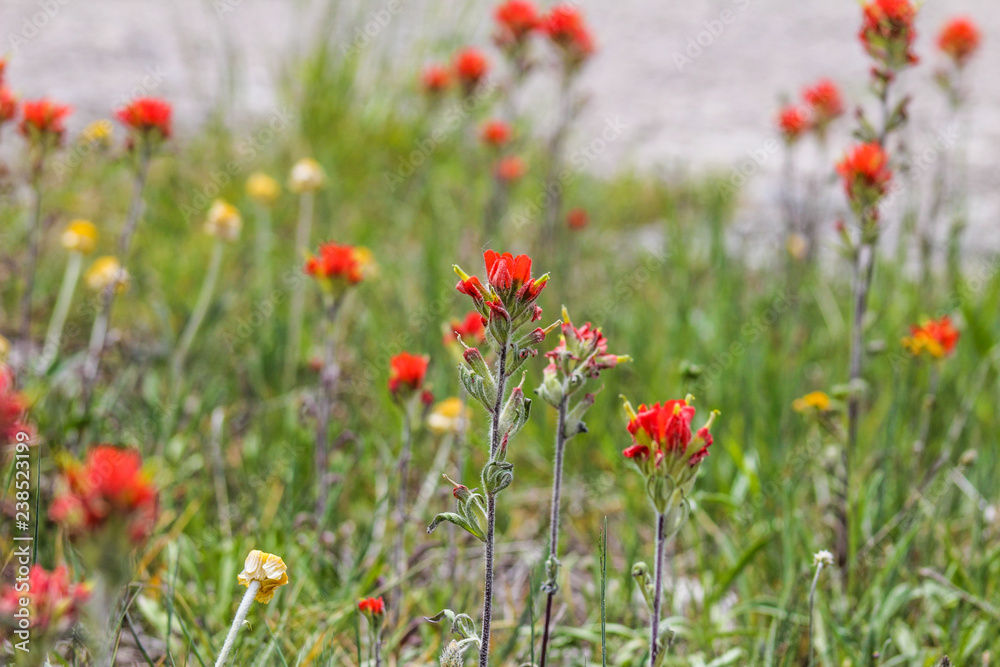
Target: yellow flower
pixel 448 416
pixel 262 188
pixel 98 132
pixel 817 399
pixel 4 349
pixel 104 272
pixel 80 236
pixel 268 569
pixel 366 260
pixel 224 221
pixel 307 176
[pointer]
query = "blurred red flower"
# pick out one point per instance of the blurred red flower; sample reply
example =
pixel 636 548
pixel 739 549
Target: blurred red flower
pixel 565 26
pixel 407 372
pixel 147 114
pixel 470 67
pixel 495 133
pixel 511 168
pixel 825 102
pixel 959 39
pixel 8 105
pixel 435 79
pixel 12 408
pixel 937 338
pixel 865 172
pixel 336 261
pixel 109 487
pixel 888 33
pixel 577 218
pixel 42 118
pixel 372 606
pixel 53 603
pixel 793 121
pixel 516 19
pixel 471 330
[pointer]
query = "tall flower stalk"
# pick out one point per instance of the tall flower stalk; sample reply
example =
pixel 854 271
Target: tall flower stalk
pixel 262 574
pixel 581 355
pixel 668 455
pixel 264 191
pixel 507 306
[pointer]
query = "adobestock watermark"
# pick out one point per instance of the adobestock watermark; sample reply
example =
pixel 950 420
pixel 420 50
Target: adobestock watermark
pixel 749 167
pixel 579 160
pixel 713 30
pixel 374 23
pixel 247 150
pixel 33 24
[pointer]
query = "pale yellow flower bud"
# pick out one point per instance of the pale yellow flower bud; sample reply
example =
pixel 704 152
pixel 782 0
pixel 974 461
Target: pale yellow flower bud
pixel 99 132
pixel 104 272
pixel 449 416
pixel 266 568
pixel 262 188
pixel 80 236
pixel 307 176
pixel 224 221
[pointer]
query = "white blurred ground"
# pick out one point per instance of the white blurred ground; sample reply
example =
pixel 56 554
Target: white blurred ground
pixel 711 113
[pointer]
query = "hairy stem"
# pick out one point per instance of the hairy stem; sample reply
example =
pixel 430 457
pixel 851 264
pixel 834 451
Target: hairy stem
pixel 654 623
pixel 554 521
pixel 241 615
pixel 403 470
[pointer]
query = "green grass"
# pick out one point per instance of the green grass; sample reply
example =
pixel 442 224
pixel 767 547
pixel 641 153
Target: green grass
pixel 763 336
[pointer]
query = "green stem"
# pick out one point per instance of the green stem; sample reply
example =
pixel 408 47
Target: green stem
pixel 34 243
pixel 297 308
pixel 241 615
pixel 554 522
pixel 200 309
pixel 812 597
pixel 654 623
pixel 58 321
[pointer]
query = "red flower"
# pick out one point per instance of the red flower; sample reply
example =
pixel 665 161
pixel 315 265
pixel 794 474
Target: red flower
pixel 825 101
pixel 936 337
pixel 866 174
pixel 888 33
pixel 495 133
pixel 372 606
pixel 146 115
pixel 511 168
pixel 407 372
pixel 577 218
pixel 584 345
pixel 512 291
pixel 53 603
pixel 435 79
pixel 108 487
pixel 959 39
pixel 336 262
pixel 470 66
pixel 471 330
pixel 41 118
pixel 516 19
pixel 565 26
pixel 793 122
pixel 3 69
pixel 12 409
pixel 662 431
pixel 8 105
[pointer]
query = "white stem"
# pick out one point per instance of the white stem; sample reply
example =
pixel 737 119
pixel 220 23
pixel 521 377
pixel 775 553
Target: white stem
pixel 241 615
pixel 54 334
pixel 200 308
pixel 298 294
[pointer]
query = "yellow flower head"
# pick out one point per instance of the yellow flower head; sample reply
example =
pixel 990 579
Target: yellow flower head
pixel 104 272
pixel 262 188
pixel 268 569
pixel 99 132
pixel 307 176
pixel 4 349
pixel 223 221
pixel 366 260
pixel 449 416
pixel 80 236
pixel 814 400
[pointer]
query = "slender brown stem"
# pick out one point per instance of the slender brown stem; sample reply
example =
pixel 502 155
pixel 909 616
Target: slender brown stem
pixel 324 407
pixel 654 624
pixel 554 524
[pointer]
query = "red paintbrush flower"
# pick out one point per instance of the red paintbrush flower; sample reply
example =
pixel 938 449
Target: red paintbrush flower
pixel 42 119
pixel 336 263
pixel 888 33
pixel 577 218
pixel 511 168
pixel 146 115
pixel 959 39
pixel 435 79
pixel 109 487
pixel 825 102
pixel 495 133
pixel 8 105
pixel 516 19
pixel 937 338
pixel 371 606
pixel 866 174
pixel 12 409
pixel 471 67
pixel 52 603
pixel 662 436
pixel 407 372
pixel 793 121
pixel 565 26
pixel 470 330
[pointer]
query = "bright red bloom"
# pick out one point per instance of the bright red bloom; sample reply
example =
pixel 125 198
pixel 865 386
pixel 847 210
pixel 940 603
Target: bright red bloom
pixel 336 262
pixel 54 604
pixel 565 26
pixel 516 19
pixel 505 271
pixel 108 487
pixel 865 172
pixel 41 118
pixel 8 105
pixel 959 39
pixel 663 431
pixel 793 122
pixel 471 66
pixel 888 33
pixel 12 409
pixel 435 79
pixel 825 101
pixel 372 606
pixel 407 371
pixel 511 168
pixel 471 330
pixel 936 337
pixel 577 218
pixel 147 114
pixel 495 133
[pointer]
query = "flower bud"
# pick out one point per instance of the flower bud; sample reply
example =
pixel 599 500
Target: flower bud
pixel 80 236
pixel 306 176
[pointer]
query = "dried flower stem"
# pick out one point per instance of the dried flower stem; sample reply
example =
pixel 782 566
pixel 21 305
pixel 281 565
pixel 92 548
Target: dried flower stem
pixel 654 630
pixel 52 337
pixel 200 309
pixel 403 470
pixel 241 615
pixel 297 309
pixel 554 519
